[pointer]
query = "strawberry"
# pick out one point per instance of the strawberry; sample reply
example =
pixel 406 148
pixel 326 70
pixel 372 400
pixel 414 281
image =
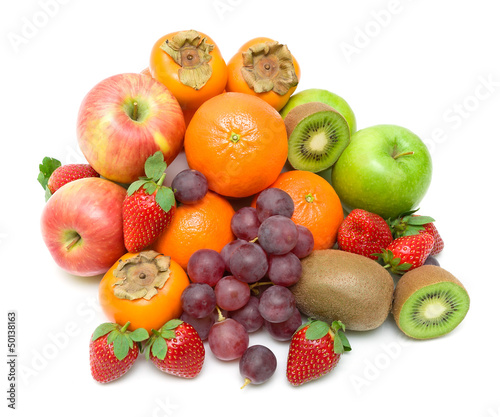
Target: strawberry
pixel 364 233
pixel 410 224
pixel 176 349
pixel 438 240
pixel 407 252
pixel 113 350
pixel 53 175
pixel 315 350
pixel 149 206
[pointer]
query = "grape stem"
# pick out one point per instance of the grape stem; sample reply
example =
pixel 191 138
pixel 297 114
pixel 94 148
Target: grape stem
pixel 259 284
pixel 247 381
pixel 220 315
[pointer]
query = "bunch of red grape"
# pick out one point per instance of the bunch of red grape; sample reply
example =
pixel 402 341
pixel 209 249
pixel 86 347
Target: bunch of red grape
pixel 245 286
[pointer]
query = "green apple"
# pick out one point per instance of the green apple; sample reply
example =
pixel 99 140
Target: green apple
pixel 386 169
pixel 323 96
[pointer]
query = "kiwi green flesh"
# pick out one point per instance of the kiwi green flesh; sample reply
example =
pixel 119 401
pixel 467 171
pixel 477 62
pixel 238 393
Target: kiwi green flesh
pixel 317 141
pixel 434 310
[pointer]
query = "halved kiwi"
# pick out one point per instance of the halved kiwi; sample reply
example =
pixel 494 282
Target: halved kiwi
pixel 429 302
pixel 317 136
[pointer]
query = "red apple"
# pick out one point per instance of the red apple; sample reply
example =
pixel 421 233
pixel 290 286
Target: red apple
pixel 82 226
pixel 125 119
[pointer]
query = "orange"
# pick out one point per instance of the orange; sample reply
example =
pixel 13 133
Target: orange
pixel 238 142
pixel 203 225
pixel 264 68
pixel 191 65
pixel 317 205
pixel 141 312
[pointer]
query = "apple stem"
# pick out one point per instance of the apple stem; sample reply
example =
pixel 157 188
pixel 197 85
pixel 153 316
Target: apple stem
pixel 403 154
pixel 135 111
pixel 73 242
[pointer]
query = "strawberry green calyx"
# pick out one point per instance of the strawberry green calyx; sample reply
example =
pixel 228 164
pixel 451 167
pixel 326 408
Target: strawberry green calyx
pixel 152 182
pixel 122 339
pixel 316 329
pixel 47 167
pixel 157 344
pixel 392 263
pixel 408 224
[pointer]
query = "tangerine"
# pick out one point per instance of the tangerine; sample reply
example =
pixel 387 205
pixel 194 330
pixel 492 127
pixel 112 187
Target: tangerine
pixel 317 205
pixel 239 142
pixel 202 225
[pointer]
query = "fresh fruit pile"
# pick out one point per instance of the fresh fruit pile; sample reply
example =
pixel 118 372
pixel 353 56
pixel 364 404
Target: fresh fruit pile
pixel 194 264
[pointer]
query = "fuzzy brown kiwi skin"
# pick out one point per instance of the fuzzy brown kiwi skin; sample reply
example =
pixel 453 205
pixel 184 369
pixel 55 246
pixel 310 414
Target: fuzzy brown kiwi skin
pixel 415 279
pixel 338 285
pixel 298 113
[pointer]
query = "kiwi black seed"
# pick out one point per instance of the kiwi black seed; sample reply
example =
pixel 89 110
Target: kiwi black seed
pixel 429 302
pixel 317 136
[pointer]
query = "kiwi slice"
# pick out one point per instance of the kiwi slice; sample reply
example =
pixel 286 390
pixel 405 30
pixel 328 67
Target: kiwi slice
pixel 429 302
pixel 317 136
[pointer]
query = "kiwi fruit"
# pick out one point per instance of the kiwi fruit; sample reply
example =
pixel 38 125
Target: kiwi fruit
pixel 429 302
pixel 317 136
pixel 338 285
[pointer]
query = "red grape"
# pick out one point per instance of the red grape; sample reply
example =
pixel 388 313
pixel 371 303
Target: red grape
pixel 257 364
pixel 206 266
pixel 278 235
pixel 284 269
pixel 248 262
pixel 228 339
pixel 245 224
pixel 228 250
pixel 249 315
pixel 273 201
pixel 189 186
pixel 277 304
pixel 305 242
pixel 284 331
pixel 198 300
pixel 231 293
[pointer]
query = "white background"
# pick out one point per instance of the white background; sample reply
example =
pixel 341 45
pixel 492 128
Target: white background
pixel 430 66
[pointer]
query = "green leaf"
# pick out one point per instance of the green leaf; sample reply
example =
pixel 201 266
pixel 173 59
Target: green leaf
pixel 47 167
pixel 411 230
pixel 168 334
pixel 345 342
pixel 48 194
pixel 112 336
pixel 139 335
pixel 150 187
pixel 316 330
pixel 420 220
pixel 159 348
pixel 165 198
pixel 121 346
pixel 136 185
pixel 171 324
pixel 155 166
pixel 103 329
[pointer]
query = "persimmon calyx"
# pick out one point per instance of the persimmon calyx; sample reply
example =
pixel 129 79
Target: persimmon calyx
pixel 192 53
pixel 268 66
pixel 141 275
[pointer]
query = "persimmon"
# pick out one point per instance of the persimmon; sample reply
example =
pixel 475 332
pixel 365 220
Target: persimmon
pixel 265 68
pixel 190 65
pixel 144 289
